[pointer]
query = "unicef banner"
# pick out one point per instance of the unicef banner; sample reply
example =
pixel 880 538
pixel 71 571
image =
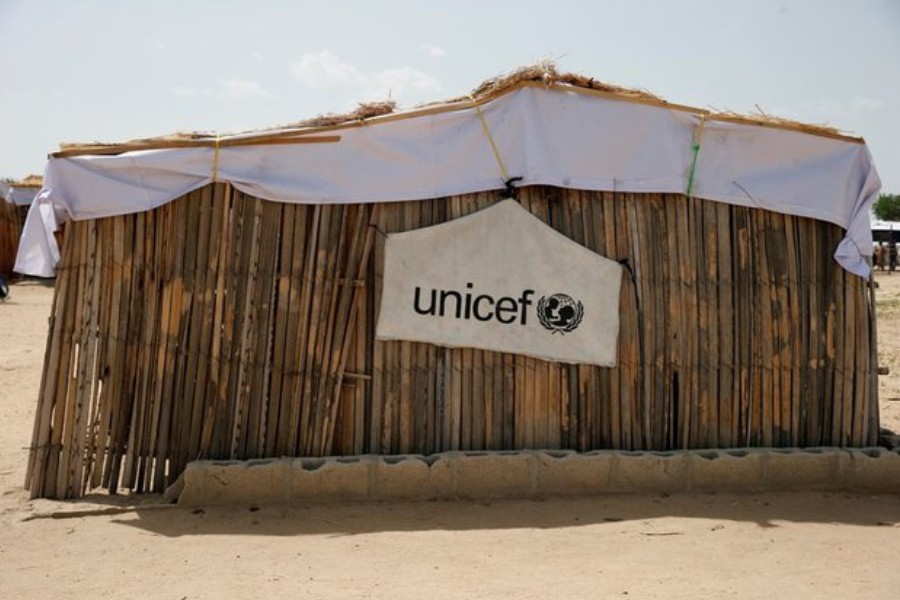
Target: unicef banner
pixel 500 279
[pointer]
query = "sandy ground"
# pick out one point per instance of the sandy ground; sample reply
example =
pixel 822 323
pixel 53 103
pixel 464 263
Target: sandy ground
pixel 887 304
pixel 806 545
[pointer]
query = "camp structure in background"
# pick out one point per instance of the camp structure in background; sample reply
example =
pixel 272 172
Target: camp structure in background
pixel 886 231
pixel 15 200
pixel 219 296
pixel 886 237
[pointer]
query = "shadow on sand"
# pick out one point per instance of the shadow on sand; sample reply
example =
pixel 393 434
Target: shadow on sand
pixel 766 510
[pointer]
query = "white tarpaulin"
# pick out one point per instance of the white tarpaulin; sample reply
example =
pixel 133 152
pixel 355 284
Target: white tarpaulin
pixel 500 279
pixel 554 136
pixel 41 254
pixel 21 195
pixel 17 194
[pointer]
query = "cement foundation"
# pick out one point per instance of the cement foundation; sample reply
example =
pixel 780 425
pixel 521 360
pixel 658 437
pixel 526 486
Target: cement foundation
pixel 536 473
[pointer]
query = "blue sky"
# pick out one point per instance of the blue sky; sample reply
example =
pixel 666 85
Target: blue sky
pixel 101 70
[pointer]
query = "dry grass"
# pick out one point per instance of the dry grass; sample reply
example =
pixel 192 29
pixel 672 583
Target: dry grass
pixel 544 73
pixel 34 181
pixel 365 110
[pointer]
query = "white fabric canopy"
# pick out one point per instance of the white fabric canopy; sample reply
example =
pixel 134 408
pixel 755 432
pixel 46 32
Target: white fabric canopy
pixel 553 136
pixel 17 194
pixel 21 196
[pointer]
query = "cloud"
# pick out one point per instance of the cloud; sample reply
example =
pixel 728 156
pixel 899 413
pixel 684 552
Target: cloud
pixel 229 89
pixel 154 45
pixel 834 112
pixel 396 82
pixel 241 89
pixel 860 105
pixel 322 69
pixel 257 56
pixel 434 51
pixel 184 91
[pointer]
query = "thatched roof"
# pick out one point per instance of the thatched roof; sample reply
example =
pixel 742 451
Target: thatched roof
pixel 543 74
pixel 32 181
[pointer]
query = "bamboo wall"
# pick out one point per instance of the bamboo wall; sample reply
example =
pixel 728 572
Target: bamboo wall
pixel 10 231
pixel 12 222
pixel 223 326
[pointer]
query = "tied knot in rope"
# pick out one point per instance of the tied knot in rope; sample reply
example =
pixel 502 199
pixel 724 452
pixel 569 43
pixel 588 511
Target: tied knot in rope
pixel 504 174
pixel 510 189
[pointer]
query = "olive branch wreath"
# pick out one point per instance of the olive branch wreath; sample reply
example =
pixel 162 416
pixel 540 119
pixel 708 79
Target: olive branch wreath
pixel 571 326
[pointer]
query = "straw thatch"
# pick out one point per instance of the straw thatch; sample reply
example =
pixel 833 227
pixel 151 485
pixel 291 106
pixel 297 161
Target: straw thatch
pixel 544 74
pixel 224 326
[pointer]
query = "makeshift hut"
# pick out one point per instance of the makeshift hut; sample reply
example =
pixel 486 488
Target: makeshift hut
pixel 15 200
pixel 224 296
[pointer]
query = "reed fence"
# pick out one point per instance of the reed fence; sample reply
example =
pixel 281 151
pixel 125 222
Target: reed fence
pixel 225 326
pixel 11 221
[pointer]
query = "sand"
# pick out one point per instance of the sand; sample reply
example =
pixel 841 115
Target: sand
pixel 800 545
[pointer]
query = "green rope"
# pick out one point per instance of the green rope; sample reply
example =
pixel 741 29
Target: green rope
pixel 690 186
pixel 695 148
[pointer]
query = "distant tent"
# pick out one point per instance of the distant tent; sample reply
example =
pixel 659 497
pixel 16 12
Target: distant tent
pixel 886 231
pixel 15 200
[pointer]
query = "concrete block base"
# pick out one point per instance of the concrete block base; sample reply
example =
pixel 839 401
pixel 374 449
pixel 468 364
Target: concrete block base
pixel 537 473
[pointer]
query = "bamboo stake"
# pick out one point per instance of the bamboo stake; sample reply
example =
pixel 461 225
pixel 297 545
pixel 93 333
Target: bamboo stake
pixel 323 390
pixel 55 363
pixel 707 341
pixel 872 424
pixel 305 235
pixel 183 358
pixel 137 333
pixel 347 308
pixel 174 290
pixel 728 413
pixel 201 283
pixel 375 282
pixel 72 436
pixel 101 407
pixel 221 325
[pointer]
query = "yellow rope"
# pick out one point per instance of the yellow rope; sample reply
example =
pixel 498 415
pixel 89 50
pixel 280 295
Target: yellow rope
pixel 503 172
pixel 215 170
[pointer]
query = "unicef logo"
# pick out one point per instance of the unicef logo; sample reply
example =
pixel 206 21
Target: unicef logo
pixel 560 313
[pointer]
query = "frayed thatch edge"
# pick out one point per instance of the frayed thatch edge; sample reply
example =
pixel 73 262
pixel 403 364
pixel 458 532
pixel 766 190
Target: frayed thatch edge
pixel 31 181
pixel 767 120
pixel 365 110
pixel 547 74
pixel 544 73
